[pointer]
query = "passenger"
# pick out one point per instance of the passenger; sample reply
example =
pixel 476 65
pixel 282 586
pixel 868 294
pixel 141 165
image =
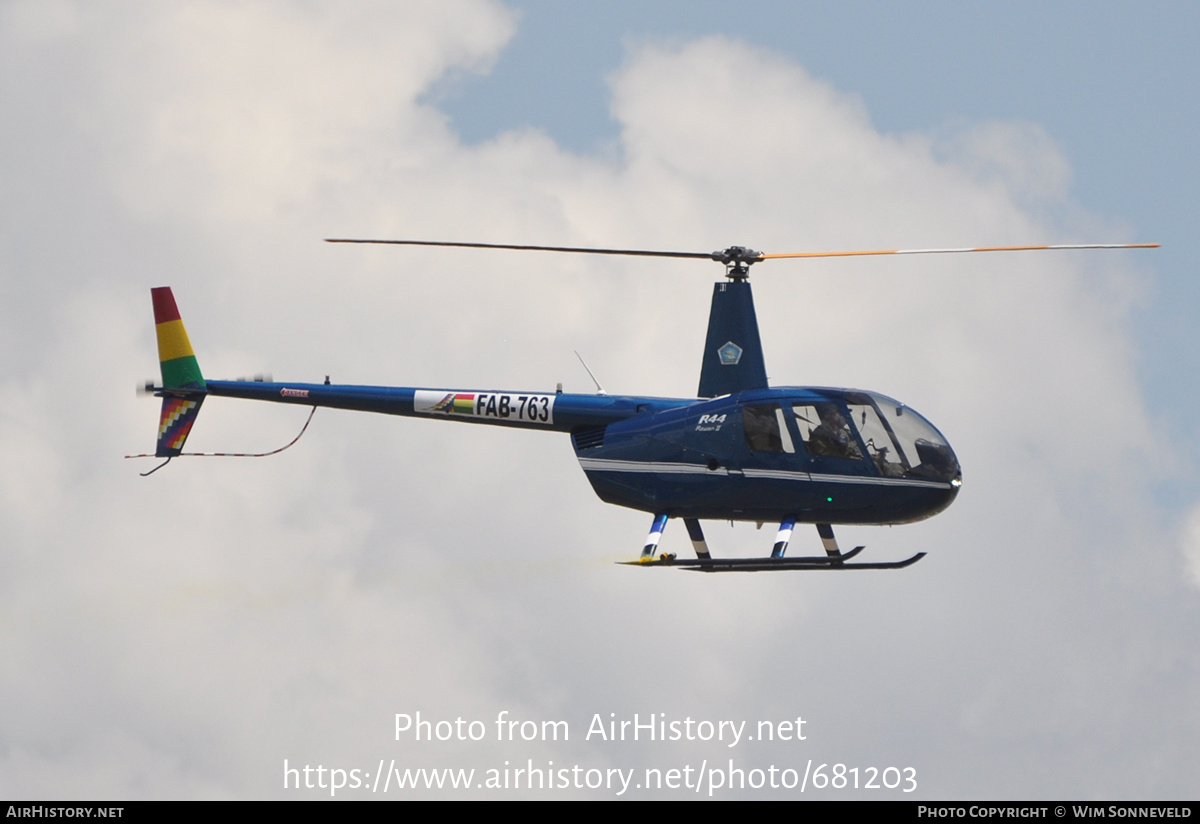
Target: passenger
pixel 762 428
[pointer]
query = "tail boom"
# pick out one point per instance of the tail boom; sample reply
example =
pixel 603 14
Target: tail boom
pixel 522 410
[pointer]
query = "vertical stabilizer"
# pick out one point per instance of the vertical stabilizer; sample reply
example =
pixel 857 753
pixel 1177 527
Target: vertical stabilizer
pixel 180 372
pixel 733 358
pixel 175 424
pixel 176 358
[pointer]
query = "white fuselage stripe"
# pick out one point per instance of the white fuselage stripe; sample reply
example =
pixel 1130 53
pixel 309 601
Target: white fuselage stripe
pixel 668 468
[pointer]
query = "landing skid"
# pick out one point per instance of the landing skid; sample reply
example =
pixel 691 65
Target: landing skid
pixel 833 558
pixel 771 564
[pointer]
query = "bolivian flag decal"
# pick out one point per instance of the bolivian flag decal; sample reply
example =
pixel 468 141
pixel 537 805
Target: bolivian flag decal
pixel 505 406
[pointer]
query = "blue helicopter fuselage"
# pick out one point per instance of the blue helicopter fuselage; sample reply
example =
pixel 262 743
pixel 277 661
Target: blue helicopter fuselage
pixel 813 454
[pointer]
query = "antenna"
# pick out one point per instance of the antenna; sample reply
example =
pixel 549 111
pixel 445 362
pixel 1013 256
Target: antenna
pixel 599 388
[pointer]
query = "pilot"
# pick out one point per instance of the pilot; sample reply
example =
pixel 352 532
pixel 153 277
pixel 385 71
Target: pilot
pixel 832 437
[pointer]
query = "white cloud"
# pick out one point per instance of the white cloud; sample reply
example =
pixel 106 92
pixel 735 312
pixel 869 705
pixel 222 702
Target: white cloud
pixel 1018 156
pixel 1191 545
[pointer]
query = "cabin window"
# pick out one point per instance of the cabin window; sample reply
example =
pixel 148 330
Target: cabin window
pixel 825 431
pixel 765 428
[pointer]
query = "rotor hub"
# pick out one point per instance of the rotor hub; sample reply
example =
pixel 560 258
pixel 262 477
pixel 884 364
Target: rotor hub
pixel 737 260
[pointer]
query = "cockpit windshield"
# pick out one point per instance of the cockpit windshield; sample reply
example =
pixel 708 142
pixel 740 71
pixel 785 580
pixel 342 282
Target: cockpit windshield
pixel 897 440
pixel 924 450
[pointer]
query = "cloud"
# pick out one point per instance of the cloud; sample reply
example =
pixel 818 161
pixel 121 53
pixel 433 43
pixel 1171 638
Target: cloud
pixel 1191 545
pixel 1021 157
pixel 182 635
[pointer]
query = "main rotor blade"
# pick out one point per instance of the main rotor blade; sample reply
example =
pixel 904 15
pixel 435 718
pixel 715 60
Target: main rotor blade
pixel 964 249
pixel 579 249
pixel 739 258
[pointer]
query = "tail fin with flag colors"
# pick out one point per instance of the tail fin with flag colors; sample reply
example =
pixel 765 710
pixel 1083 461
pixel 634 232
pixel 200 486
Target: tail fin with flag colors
pixel 180 372
pixel 175 355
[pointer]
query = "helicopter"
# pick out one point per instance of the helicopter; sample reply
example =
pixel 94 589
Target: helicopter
pixel 741 450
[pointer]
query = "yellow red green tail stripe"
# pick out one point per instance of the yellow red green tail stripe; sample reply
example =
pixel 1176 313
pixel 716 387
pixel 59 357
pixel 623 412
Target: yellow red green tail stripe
pixel 176 359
